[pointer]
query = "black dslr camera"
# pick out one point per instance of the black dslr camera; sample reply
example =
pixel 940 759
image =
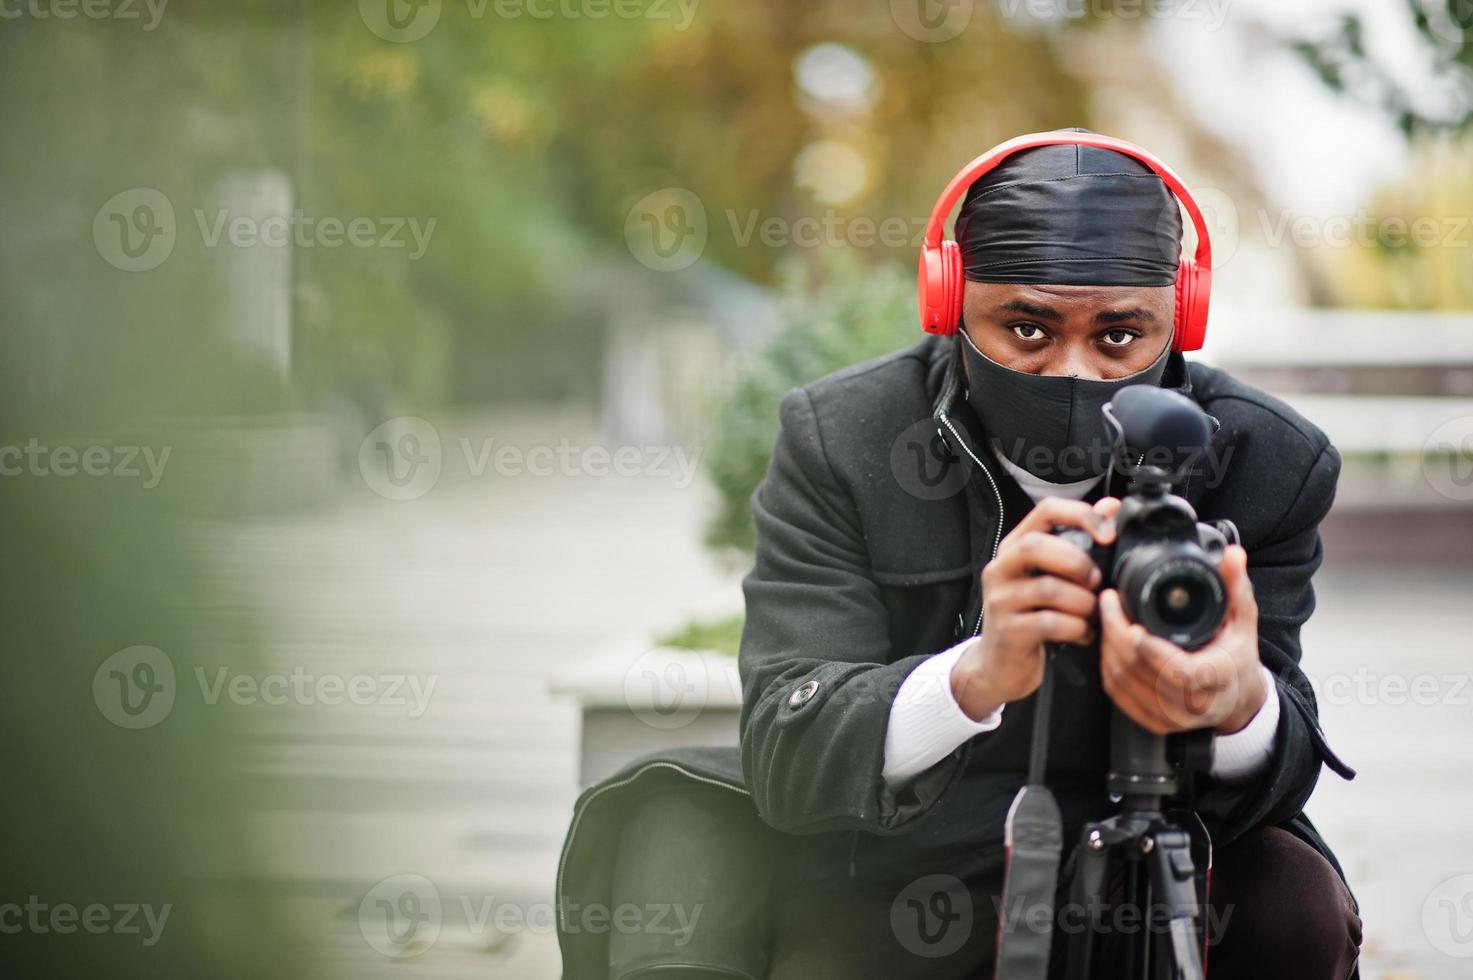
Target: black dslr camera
pixel 1163 562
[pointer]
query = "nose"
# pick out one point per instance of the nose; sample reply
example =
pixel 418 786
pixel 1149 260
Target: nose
pixel 1074 362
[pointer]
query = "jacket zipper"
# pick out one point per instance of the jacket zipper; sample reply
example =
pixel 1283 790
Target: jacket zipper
pixel 1001 513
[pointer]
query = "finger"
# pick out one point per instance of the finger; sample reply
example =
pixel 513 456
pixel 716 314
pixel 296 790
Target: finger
pixel 1107 507
pixel 1039 551
pixel 1053 592
pixel 1119 631
pixel 1140 705
pixel 1196 691
pixel 1053 511
pixel 1119 638
pixel 1049 626
pixel 1239 586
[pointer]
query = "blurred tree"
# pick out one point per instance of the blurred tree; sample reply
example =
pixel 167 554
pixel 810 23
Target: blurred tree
pixel 1441 99
pixel 851 315
pixel 1420 249
pixel 1402 266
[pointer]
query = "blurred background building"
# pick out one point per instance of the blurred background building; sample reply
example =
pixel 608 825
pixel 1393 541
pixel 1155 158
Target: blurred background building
pixel 371 367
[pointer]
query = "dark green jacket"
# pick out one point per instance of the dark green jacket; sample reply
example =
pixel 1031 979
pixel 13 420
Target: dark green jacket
pixel 877 513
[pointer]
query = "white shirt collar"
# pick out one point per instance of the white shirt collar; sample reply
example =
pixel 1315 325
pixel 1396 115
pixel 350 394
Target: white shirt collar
pixel 1038 488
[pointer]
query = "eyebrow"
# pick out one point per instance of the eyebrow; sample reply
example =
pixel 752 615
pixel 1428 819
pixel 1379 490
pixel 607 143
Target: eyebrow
pixel 1123 316
pixel 1032 309
pixel 1049 313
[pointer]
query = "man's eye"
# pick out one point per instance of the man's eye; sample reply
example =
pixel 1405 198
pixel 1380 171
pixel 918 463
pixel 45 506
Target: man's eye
pixel 1118 338
pixel 1027 331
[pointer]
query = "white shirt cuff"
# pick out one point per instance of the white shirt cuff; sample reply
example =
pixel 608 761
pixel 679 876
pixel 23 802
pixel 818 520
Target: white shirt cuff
pixel 926 724
pixel 1245 753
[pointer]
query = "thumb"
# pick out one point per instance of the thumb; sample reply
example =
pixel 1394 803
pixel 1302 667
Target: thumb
pixel 1235 578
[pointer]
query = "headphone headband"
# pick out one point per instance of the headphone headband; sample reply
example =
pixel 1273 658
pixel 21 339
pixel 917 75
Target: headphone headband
pixel 987 161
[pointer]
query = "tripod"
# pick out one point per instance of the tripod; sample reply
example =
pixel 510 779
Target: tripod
pixel 1164 882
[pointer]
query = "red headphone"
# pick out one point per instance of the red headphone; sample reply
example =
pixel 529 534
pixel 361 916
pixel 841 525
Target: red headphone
pixel 939 291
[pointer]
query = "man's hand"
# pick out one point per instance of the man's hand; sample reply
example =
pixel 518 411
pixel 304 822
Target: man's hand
pixel 1166 689
pixel 1038 588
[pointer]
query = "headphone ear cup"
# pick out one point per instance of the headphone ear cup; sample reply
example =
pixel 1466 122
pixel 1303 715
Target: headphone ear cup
pixel 951 270
pixel 1193 288
pixel 931 290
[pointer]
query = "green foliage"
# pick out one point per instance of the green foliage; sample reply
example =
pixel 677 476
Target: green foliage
pixel 1338 54
pixel 719 635
pixel 854 314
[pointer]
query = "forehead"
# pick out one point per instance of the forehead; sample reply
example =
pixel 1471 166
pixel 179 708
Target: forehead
pixel 987 297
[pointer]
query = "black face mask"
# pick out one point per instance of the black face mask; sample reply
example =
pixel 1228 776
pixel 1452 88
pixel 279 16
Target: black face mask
pixel 1049 426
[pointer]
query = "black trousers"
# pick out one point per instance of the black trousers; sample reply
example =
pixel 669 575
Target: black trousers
pixel 1278 910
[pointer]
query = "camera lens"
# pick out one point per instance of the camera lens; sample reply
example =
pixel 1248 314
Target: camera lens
pixel 1181 601
pixel 1174 593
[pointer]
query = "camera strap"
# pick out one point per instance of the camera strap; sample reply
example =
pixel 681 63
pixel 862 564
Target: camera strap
pixel 1034 839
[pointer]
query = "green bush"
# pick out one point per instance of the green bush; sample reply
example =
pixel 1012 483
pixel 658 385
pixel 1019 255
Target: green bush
pixel 847 314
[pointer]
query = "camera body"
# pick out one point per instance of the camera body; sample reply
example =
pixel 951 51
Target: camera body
pixel 1164 563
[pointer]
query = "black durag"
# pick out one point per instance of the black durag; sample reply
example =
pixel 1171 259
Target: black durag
pixel 1062 215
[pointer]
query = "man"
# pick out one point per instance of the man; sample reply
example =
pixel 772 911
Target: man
pixel 900 599
pixel 861 589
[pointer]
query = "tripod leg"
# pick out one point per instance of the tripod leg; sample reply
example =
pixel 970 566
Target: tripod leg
pixel 1087 899
pixel 1173 879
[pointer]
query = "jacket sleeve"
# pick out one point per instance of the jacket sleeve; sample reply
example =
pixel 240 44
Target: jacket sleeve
pixel 1280 568
pixel 817 681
